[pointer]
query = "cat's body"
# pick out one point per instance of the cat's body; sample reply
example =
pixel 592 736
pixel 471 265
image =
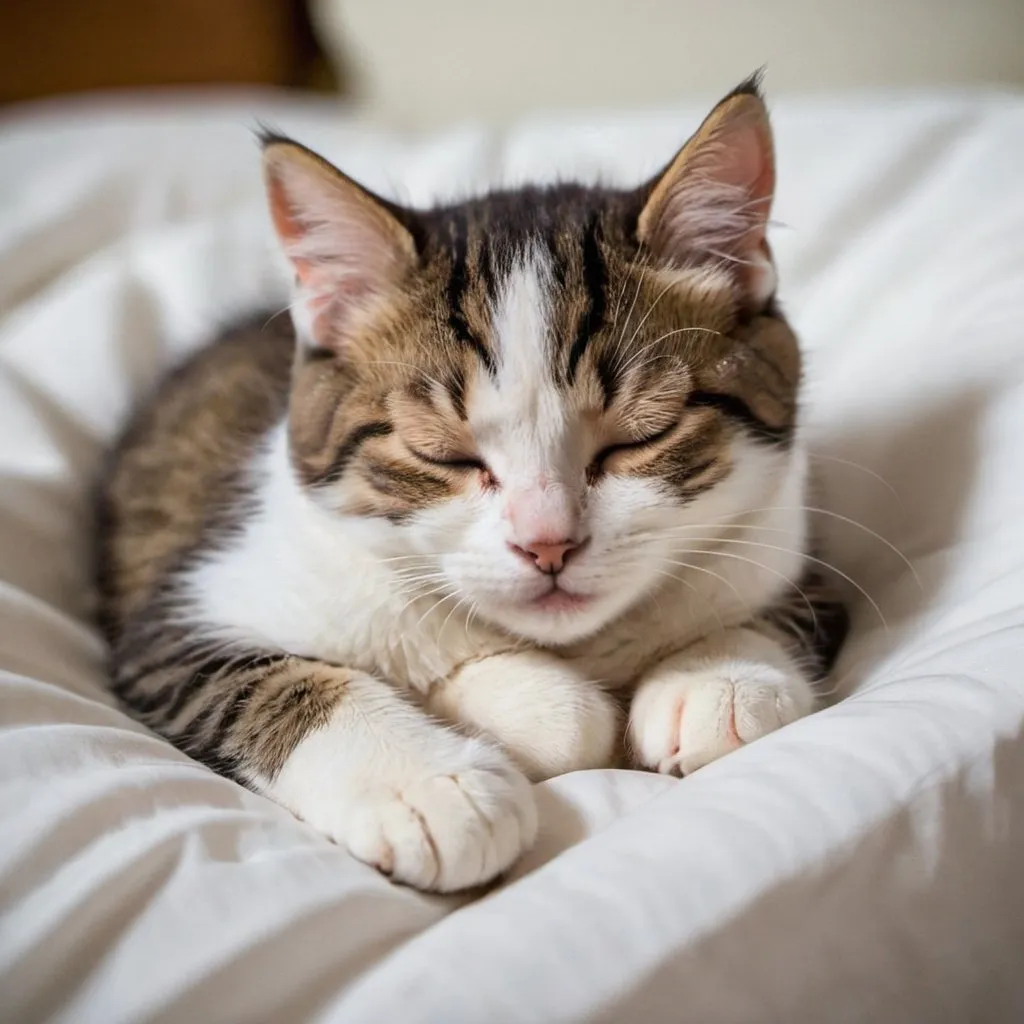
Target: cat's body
pixel 523 466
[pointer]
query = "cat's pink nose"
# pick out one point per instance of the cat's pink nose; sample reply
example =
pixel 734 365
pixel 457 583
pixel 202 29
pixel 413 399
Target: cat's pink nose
pixel 548 556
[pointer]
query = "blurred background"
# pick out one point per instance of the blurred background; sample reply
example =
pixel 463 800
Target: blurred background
pixel 420 64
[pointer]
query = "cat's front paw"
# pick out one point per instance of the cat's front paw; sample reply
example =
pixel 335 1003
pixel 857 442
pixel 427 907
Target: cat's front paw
pixel 539 707
pixel 425 805
pixel 446 832
pixel 690 710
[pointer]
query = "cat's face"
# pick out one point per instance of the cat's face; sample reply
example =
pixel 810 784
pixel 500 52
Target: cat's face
pixel 533 401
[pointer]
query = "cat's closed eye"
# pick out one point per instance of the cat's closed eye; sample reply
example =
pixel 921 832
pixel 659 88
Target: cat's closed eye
pixel 456 462
pixel 459 463
pixel 598 464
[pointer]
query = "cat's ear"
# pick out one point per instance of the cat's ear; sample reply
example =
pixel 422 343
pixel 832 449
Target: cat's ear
pixel 711 203
pixel 346 247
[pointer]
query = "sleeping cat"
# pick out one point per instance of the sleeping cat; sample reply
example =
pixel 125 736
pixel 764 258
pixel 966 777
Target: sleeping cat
pixel 517 463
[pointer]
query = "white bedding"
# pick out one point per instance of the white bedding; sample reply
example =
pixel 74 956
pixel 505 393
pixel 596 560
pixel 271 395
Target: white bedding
pixel 864 864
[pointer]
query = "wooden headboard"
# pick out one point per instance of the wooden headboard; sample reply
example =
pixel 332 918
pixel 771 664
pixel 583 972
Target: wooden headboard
pixel 53 47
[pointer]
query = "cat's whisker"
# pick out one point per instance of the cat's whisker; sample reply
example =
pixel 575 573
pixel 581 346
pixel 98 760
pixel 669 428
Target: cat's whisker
pixel 668 334
pixel 816 511
pixel 413 578
pixel 642 358
pixel 411 565
pixel 398 563
pixel 864 469
pixel 767 568
pixel 420 588
pixel 650 360
pixel 473 609
pixel 416 590
pixel 709 572
pixel 440 632
pixel 273 316
pixel 437 604
pixel 412 366
pixel 418 594
pixel 668 531
pixel 425 555
pixel 415 581
pixel 810 558
pixel 622 292
pixel 664 291
pixel 641 270
pixel 687 583
pixel 678 579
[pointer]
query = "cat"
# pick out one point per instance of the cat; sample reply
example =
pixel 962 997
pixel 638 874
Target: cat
pixel 519 486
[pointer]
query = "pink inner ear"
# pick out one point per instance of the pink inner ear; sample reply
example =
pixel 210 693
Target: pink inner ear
pixel 343 248
pixel 732 180
pixel 742 158
pixel 287 225
pixel 746 163
pixel 315 293
pixel 311 281
pixel 717 200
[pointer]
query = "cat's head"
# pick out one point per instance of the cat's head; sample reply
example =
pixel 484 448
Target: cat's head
pixel 526 397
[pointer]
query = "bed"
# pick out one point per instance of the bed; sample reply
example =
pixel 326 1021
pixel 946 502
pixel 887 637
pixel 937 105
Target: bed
pixel 862 864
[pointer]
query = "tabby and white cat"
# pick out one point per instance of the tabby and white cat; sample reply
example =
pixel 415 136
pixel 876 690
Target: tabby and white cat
pixel 520 462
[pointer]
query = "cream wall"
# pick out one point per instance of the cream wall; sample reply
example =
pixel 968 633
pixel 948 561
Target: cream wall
pixel 420 63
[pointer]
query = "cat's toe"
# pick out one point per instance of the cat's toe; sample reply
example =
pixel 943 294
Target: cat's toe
pixel 681 720
pixel 447 832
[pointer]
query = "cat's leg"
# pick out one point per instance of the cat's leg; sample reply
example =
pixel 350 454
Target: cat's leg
pixel 719 693
pixel 539 707
pixel 346 753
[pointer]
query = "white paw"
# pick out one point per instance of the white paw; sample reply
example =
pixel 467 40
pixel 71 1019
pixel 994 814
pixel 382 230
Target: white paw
pixel 424 805
pixel 546 714
pixel 446 832
pixel 689 711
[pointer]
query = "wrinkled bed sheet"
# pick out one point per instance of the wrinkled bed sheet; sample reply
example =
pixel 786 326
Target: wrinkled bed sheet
pixel 863 864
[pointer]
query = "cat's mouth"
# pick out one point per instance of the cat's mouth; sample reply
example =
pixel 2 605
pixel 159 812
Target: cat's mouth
pixel 558 599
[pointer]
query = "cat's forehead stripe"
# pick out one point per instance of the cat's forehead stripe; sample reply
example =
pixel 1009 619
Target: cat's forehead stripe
pixel 458 284
pixel 595 281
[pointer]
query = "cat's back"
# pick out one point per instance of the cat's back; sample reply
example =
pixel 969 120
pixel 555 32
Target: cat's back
pixel 178 471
